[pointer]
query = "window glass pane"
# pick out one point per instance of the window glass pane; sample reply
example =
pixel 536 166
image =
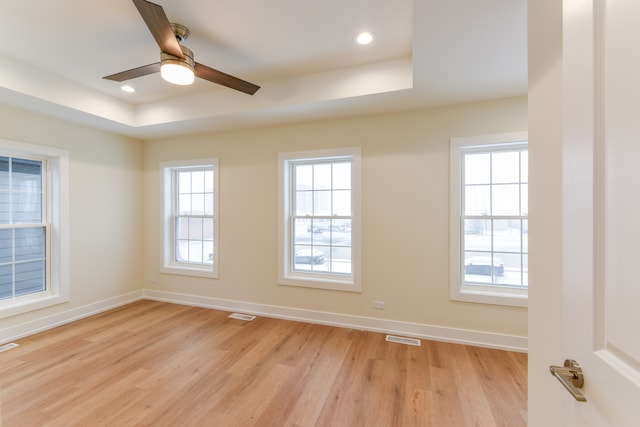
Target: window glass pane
pixel 196 252
pixel 184 204
pixel 322 203
pixel 304 177
pixel 4 174
pixel 29 243
pixel 477 168
pixel 524 198
pixel 342 226
pixel 182 250
pixel 197 204
pixel 321 231
pixel 506 235
pixel 302 231
pixel 207 229
pixel 208 204
pixel 26 207
pixel 322 176
pixel 207 251
pixel 26 175
pixel 307 257
pixel 342 203
pixel 4 207
pixel 482 267
pixel 341 260
pixel 197 181
pixel 524 166
pixel 505 167
pixel 525 235
pixel 477 234
pixel 512 269
pixel 29 277
pixel 208 181
pixel 477 200
pixel 182 228
pixel 304 203
pixel 184 182
pixel 477 226
pixel 6 280
pixel 6 246
pixel 342 176
pixel 506 199
pixel 195 228
pixel 341 232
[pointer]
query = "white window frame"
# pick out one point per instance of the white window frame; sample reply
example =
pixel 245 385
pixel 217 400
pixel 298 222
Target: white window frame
pixel 56 221
pixel 286 273
pixel 167 233
pixel 460 291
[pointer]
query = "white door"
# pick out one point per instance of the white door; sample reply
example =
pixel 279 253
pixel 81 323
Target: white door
pixel 601 216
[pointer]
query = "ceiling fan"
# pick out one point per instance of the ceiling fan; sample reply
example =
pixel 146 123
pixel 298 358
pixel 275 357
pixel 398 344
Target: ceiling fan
pixel 176 61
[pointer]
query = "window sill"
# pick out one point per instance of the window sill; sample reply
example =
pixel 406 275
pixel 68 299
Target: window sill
pixel 190 271
pixel 320 283
pixel 28 303
pixel 508 297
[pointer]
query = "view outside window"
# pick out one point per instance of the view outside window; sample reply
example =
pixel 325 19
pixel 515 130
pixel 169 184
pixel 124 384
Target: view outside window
pixel 22 228
pixel 194 200
pixel 322 217
pixel 495 207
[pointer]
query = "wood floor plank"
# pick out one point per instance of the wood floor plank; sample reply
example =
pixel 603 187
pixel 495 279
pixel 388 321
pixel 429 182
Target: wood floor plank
pixel 160 364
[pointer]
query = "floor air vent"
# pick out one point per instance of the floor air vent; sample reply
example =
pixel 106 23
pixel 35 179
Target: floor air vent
pixel 241 316
pixel 403 340
pixel 8 346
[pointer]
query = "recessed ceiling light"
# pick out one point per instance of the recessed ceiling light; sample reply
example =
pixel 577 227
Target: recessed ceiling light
pixel 127 88
pixel 365 37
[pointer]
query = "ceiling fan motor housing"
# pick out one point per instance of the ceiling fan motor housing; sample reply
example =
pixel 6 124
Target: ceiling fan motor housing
pixel 181 31
pixel 167 58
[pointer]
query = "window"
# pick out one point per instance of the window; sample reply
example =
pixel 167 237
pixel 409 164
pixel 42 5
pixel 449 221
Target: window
pixel 319 244
pixel 189 226
pixel 489 226
pixel 33 227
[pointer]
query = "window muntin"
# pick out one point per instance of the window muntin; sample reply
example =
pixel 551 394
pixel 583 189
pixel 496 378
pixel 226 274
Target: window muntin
pixel 319 243
pixel 190 224
pixel 489 225
pixel 494 220
pixel 193 216
pixel 23 227
pixel 321 216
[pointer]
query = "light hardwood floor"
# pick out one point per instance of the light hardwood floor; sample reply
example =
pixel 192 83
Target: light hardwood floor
pixel 159 364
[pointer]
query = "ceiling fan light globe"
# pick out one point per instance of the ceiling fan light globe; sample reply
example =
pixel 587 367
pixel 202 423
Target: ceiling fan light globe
pixel 176 73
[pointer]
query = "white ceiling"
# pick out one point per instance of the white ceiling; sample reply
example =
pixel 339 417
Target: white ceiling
pixel 301 52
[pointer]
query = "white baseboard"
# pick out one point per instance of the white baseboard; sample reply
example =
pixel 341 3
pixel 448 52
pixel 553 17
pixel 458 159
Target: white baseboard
pixel 394 327
pixel 414 330
pixel 31 327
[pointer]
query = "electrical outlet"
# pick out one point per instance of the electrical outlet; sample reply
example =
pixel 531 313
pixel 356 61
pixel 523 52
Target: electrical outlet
pixel 152 279
pixel 378 305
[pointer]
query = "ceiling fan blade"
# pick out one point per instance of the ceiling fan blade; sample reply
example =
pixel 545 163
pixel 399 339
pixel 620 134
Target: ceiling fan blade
pixel 223 79
pixel 135 72
pixel 158 23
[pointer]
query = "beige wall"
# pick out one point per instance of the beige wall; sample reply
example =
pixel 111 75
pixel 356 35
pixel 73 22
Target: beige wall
pixel 105 206
pixel 405 202
pixel 114 209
